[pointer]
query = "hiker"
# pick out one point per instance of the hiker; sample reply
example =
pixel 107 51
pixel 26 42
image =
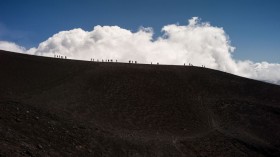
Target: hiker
pixel 116 60
pixel 184 64
pixel 135 62
pixel 65 57
pixel 129 61
pixel 157 63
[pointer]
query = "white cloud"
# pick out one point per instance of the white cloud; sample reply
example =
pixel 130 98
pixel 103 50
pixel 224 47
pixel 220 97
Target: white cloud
pixel 198 43
pixel 9 46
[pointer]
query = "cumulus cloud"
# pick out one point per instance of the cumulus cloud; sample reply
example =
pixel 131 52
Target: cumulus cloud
pixel 198 43
pixel 9 46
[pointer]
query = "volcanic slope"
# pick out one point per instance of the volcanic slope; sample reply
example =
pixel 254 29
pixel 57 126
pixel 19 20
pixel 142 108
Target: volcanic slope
pixel 59 107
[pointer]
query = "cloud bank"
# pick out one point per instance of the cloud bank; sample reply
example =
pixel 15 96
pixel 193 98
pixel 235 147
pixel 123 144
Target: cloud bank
pixel 9 46
pixel 198 43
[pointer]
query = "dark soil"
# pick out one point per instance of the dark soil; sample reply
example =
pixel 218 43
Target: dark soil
pixel 57 107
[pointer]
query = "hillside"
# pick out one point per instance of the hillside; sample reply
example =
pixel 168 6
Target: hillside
pixel 58 107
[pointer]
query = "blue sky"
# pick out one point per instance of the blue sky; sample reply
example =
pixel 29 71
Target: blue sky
pixel 252 25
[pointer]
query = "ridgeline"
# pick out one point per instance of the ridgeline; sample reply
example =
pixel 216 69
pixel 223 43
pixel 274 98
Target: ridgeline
pixel 61 107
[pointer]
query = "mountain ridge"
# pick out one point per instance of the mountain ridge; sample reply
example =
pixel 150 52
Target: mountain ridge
pixel 122 109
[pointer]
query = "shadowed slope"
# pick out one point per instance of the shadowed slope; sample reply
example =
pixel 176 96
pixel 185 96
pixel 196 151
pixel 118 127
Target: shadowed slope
pixel 118 109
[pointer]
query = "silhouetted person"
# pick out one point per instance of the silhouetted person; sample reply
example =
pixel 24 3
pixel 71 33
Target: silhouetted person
pixel 111 60
pixel 157 63
pixel 184 64
pixel 65 57
pixel 129 61
pixel 116 60
pixel 135 62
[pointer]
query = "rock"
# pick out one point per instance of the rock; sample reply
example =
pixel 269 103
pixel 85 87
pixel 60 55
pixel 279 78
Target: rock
pixel 79 147
pixel 75 127
pixel 89 150
pixel 18 120
pixel 40 146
